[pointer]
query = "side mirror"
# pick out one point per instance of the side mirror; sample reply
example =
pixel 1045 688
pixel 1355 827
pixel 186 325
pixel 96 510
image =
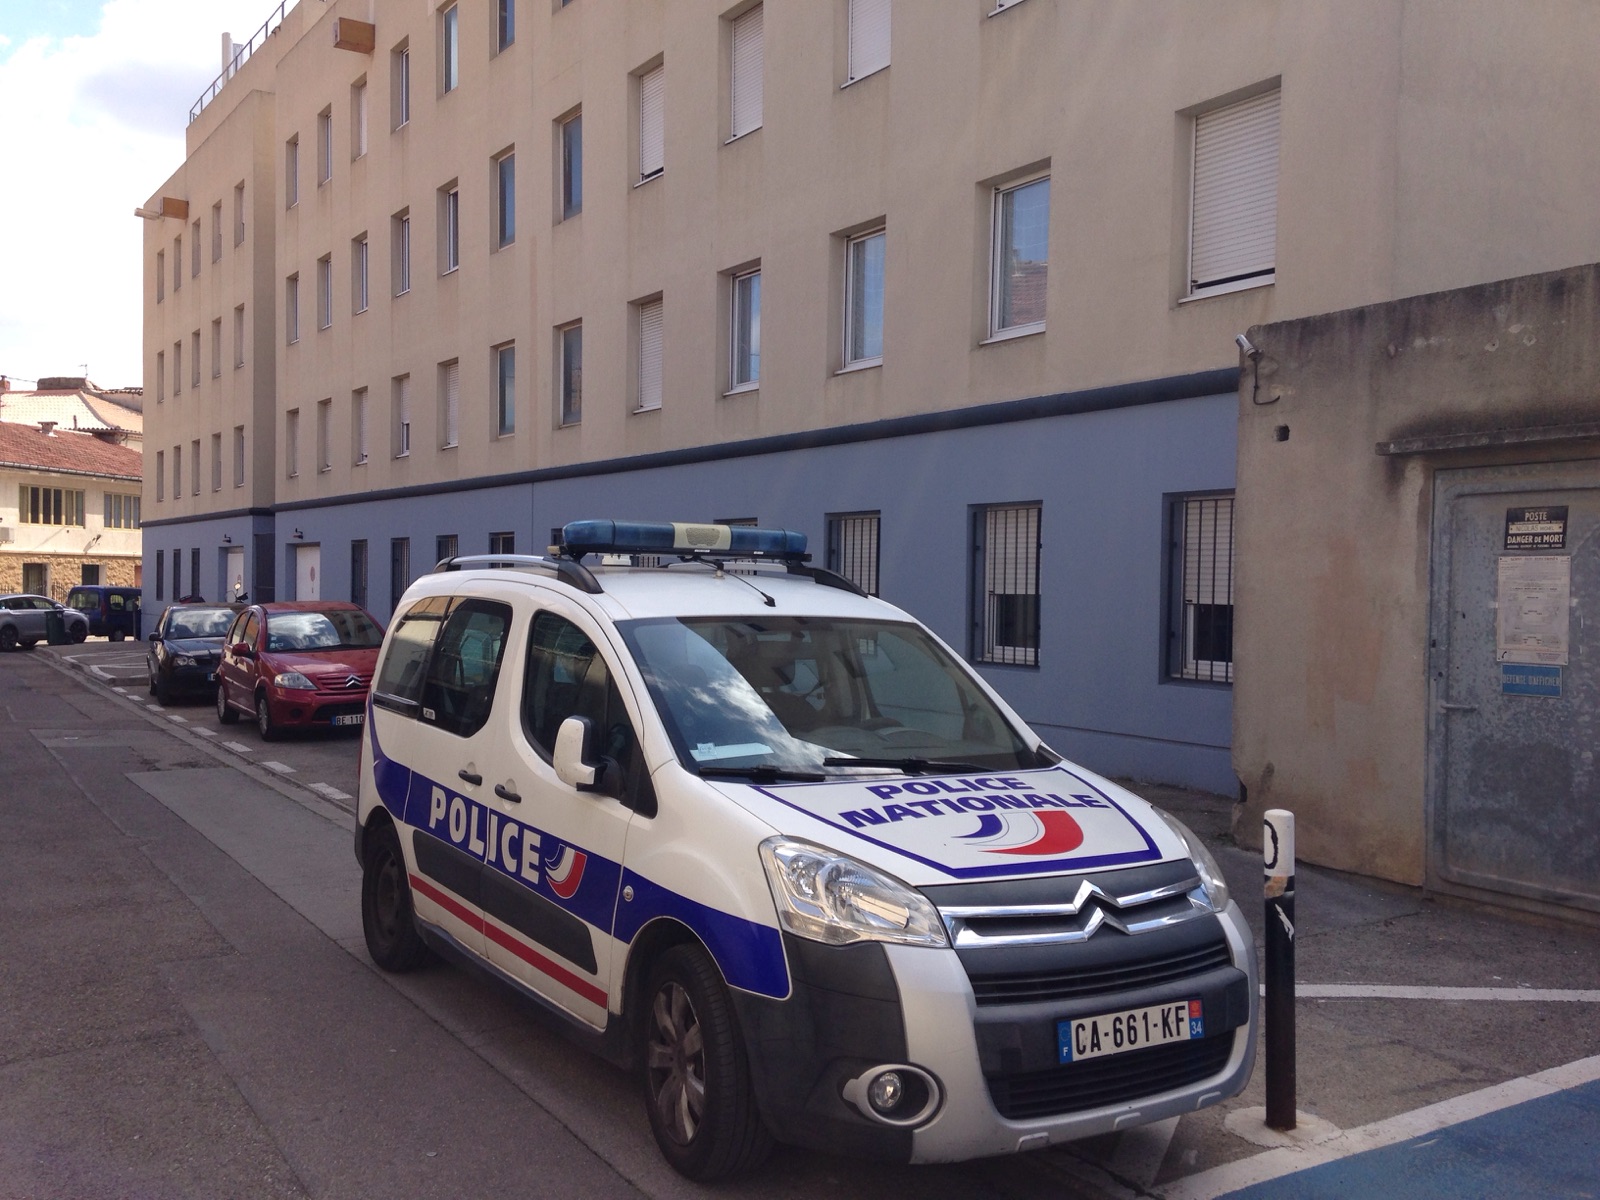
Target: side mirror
pixel 155 637
pixel 573 741
pixel 241 650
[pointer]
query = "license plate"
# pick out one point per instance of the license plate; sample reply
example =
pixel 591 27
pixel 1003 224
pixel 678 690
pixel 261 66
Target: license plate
pixel 1131 1029
pixel 350 719
pixel 211 676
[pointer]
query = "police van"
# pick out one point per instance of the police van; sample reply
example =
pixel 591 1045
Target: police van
pixel 769 842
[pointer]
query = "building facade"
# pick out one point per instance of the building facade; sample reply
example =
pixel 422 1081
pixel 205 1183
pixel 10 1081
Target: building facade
pixel 952 286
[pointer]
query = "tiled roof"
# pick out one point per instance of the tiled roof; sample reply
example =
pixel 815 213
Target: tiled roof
pixel 69 410
pixel 73 453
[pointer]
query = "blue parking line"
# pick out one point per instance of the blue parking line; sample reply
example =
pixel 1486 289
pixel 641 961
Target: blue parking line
pixel 1544 1148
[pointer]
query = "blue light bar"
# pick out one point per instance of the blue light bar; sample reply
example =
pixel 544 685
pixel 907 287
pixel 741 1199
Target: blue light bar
pixel 675 537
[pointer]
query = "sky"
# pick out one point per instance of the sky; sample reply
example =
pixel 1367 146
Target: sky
pixel 94 97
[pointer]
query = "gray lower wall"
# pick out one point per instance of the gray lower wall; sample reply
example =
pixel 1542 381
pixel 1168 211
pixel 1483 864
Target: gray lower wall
pixel 1102 477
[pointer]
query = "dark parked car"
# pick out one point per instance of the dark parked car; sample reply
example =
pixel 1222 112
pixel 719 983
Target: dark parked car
pixel 23 621
pixel 298 664
pixel 112 612
pixel 185 647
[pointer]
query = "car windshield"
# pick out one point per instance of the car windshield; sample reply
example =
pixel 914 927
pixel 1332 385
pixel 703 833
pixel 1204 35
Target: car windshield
pixel 811 693
pixel 339 630
pixel 200 623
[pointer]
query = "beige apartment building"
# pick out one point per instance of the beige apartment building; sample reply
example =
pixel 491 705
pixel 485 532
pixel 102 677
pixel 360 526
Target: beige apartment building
pixel 950 285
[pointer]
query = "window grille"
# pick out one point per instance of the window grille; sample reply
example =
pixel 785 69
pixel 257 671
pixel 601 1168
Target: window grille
pixel 853 548
pixel 1006 584
pixel 1200 621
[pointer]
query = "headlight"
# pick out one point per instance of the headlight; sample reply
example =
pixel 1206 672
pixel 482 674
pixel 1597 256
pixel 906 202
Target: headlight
pixel 832 898
pixel 1212 884
pixel 183 660
pixel 294 681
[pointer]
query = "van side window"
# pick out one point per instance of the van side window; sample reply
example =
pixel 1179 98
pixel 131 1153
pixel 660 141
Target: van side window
pixel 568 677
pixel 399 683
pixel 459 687
pixel 114 601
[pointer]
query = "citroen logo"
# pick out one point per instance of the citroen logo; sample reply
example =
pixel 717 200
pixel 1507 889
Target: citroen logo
pixel 354 681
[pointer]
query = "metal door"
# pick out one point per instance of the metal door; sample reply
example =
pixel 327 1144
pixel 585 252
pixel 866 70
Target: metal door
pixel 1514 798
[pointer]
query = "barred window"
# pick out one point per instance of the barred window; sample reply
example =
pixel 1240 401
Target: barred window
pixel 1200 609
pixel 1005 584
pixel 853 548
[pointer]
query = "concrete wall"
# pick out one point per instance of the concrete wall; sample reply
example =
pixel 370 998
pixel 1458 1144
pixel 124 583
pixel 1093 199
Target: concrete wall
pixel 1333 538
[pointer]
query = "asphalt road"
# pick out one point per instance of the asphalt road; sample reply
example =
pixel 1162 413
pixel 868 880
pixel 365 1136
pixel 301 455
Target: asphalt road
pixel 189 1010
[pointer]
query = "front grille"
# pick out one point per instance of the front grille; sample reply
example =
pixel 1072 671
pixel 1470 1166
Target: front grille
pixel 1071 982
pixel 1115 1079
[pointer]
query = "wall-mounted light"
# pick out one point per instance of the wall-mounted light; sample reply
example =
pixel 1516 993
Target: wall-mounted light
pixel 298 536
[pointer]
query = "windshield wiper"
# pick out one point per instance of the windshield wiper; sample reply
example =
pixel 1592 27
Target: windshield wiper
pixel 762 773
pixel 910 766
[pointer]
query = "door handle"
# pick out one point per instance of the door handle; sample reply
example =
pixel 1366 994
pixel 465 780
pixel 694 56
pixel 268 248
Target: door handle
pixel 506 793
pixel 471 777
pixel 1446 706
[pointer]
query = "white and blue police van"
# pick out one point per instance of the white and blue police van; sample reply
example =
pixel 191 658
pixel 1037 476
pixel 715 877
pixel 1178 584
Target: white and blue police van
pixel 769 842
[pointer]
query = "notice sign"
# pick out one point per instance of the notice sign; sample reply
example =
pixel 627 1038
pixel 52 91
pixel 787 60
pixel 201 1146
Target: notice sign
pixel 1519 679
pixel 1535 595
pixel 1536 528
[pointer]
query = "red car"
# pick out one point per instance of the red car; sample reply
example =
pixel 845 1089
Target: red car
pixel 298 664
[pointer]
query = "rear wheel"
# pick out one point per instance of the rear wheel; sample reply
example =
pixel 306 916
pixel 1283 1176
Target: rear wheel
pixel 386 915
pixel 696 1076
pixel 115 635
pixel 78 632
pixel 225 714
pixel 269 729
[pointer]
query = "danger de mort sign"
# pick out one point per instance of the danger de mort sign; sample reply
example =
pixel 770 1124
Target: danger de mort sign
pixel 1536 528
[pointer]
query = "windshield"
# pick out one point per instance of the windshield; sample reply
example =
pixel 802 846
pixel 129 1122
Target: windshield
pixel 801 693
pixel 342 629
pixel 200 623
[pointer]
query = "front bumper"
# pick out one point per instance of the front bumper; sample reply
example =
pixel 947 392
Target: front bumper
pixel 301 709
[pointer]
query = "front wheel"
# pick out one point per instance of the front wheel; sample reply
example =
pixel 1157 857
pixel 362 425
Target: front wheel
pixel 225 713
pixel 115 635
pixel 386 916
pixel 8 638
pixel 78 633
pixel 696 1076
pixel 270 730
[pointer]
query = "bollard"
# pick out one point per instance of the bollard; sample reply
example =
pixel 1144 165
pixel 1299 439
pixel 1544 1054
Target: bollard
pixel 1277 852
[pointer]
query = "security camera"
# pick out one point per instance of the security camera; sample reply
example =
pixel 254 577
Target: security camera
pixel 1251 351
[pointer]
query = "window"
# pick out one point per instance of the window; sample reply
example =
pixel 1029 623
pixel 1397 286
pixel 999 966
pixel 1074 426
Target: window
pixel 869 37
pixel 324 435
pixel 571 166
pixel 399 569
pixel 449 228
pixel 291 172
pixel 122 511
pixel 324 146
pixel 505 362
pixel 569 342
pixel 291 443
pixel 216 232
pixel 505 26
pixel 325 291
pixel 863 304
pixel 238 336
pixel 449 404
pixel 161 475
pixel 161 571
pixel 177 262
pixel 216 348
pixel 465 666
pixel 50 506
pixel 177 367
pixel 745 72
pixel 161 376
pixel 194 249
pixel 238 214
pixel 358 572
pixel 1233 234
pixel 853 548
pixel 161 276
pixel 400 251
pixel 652 123
pixel 194 358
pixel 1200 607
pixel 746 331
pixel 449 50
pixel 505 171
pixel 358 274
pixel 446 545
pixel 648 385
pixel 400 407
pixel 358 426
pixel 502 543
pixel 1021 257
pixel 358 119
pixel 194 467
pixel 194 570
pixel 291 308
pixel 1005 584
pixel 399 86
pixel 216 462
pixel 177 472
pixel 238 456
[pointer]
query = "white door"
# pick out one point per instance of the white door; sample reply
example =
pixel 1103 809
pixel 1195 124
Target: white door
pixel 308 572
pixel 233 575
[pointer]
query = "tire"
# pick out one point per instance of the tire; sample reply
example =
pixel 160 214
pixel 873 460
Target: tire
pixel 387 918
pixel 8 638
pixel 115 635
pixel 151 672
pixel 163 691
pixel 30 643
pixel 693 1049
pixel 78 633
pixel 270 731
pixel 225 714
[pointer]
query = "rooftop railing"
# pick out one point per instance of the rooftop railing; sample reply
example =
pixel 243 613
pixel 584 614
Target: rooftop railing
pixel 240 53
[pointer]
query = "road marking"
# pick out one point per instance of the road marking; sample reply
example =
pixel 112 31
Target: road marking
pixel 205 732
pixel 123 690
pixel 237 747
pixel 280 768
pixel 1274 1164
pixel 1384 991
pixel 152 707
pixel 328 790
pixel 177 718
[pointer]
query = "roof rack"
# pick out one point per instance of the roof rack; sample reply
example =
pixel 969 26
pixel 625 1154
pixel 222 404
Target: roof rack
pixel 579 538
pixel 565 569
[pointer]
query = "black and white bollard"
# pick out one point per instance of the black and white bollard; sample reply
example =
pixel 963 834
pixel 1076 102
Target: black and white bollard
pixel 1277 851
